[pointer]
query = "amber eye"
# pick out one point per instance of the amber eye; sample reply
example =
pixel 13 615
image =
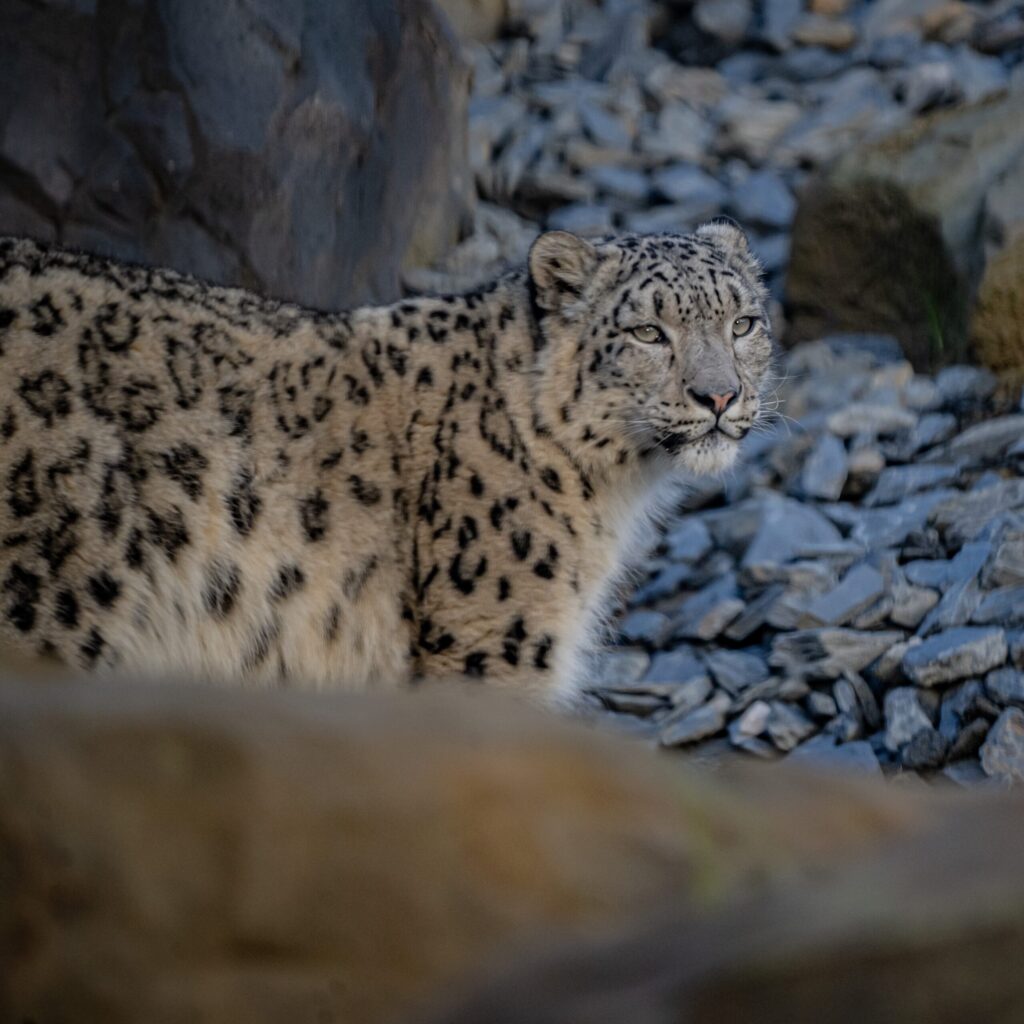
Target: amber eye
pixel 742 326
pixel 648 333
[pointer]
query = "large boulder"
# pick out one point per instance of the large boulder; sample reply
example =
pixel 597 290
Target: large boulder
pixel 172 853
pixel 305 149
pixel 890 239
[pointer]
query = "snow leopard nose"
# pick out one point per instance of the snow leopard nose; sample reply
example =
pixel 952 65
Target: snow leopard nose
pixel 717 402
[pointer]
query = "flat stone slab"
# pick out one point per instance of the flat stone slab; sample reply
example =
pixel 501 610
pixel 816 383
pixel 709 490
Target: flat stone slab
pixel 859 588
pixel 955 654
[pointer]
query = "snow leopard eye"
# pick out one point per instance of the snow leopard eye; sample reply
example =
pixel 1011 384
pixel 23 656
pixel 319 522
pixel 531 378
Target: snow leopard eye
pixel 648 334
pixel 742 326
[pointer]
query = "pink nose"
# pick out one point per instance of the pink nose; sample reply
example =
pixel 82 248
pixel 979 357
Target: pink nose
pixel 722 402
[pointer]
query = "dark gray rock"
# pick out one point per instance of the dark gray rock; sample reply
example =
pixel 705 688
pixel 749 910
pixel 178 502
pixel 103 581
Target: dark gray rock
pixel 734 671
pixel 1015 642
pixel 826 653
pixel 859 588
pixel 963 704
pixel 931 429
pixel 1006 566
pixel 890 527
pixel 965 386
pixel 676 666
pixel 649 628
pixel 582 219
pixel 986 443
pixel 969 740
pixel 956 608
pixel 788 726
pixel 614 668
pixel 823 753
pixel 785 527
pixel 704 615
pixel 764 200
pixel 927 749
pixel 754 615
pixel 910 604
pixel 689 186
pixel 943 573
pixel 821 705
pixel 698 724
pixel 975 514
pixel 1006 686
pixel 955 654
pixel 825 470
pixel 689 695
pixel 898 482
pixel 967 773
pixel 249 144
pixel 688 541
pixel 1002 754
pixel 632 701
pixel 1004 607
pixel 904 717
pixel 621 182
pixel 668 580
pixel 726 20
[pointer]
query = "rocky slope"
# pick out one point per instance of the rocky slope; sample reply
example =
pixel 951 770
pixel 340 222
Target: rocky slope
pixel 854 594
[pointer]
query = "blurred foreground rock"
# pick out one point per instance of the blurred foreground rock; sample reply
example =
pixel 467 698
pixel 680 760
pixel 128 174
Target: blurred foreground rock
pixel 307 150
pixel 926 929
pixel 172 853
pixel 900 234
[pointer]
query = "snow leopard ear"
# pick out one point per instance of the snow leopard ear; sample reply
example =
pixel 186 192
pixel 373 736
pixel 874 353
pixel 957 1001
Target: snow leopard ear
pixel 727 234
pixel 561 265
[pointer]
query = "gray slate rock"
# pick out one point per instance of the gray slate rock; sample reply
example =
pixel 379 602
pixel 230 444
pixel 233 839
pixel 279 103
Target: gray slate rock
pixel 1004 607
pixel 1006 686
pixel 785 527
pixel 859 588
pixel 704 615
pixel 764 200
pixel 689 541
pixel 927 749
pixel 646 627
pixel 787 725
pixel 1002 754
pixel 955 654
pixel 904 717
pixel 616 667
pixel 705 721
pixel 898 482
pixel 823 753
pixel 734 671
pixel 676 666
pixel 825 470
pixel 987 442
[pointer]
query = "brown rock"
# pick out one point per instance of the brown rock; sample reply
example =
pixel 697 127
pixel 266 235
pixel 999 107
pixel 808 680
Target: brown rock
pixel 174 853
pixel 925 930
pixel 475 19
pixel 251 144
pixel 887 240
pixel 997 323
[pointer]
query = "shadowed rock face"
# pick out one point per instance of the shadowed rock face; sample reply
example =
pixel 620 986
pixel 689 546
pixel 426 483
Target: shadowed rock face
pixel 173 853
pixel 893 236
pixel 305 149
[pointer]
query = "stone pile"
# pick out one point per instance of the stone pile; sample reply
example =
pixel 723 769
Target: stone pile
pixel 854 592
pixel 630 115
